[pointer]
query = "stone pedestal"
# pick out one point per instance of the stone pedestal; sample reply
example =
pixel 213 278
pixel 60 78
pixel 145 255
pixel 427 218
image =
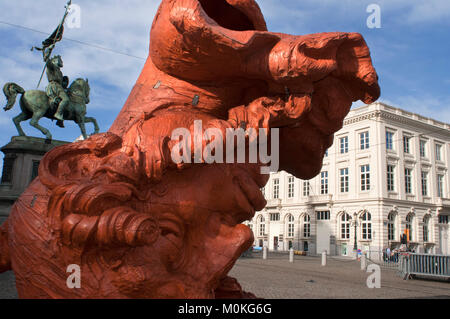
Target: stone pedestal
pixel 20 167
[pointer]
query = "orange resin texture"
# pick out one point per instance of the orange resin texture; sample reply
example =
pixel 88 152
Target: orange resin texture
pixel 140 225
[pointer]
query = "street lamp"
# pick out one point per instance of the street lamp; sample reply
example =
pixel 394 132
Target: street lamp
pixel 355 223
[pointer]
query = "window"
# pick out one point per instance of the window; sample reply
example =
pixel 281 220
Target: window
pixel 344 180
pixel 409 226
pixel 274 217
pixel 426 228
pixel 365 177
pixel 438 152
pixel 8 165
pixel 261 225
pixel 392 218
pixel 423 148
pixel 34 170
pixel 323 215
pixel 389 140
pixel 390 178
pixel 324 182
pixel 305 188
pixel 366 226
pixel 276 188
pixel 290 226
pixel 263 191
pixel 343 142
pixel 440 185
pixel 306 226
pixel 291 186
pixel 364 140
pixel 443 219
pixel 326 153
pixel 345 226
pixel 424 183
pixel 407 144
pixel 408 186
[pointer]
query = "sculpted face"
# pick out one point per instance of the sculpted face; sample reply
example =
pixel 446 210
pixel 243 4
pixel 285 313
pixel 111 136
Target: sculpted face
pixel 141 225
pixel 201 233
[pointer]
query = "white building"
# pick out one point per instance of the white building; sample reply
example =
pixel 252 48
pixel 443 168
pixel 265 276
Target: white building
pixel 387 170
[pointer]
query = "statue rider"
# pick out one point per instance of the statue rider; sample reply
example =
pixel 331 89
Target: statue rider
pixel 57 85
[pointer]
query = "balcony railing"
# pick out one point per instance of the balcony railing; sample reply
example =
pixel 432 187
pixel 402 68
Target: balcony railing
pixel 326 198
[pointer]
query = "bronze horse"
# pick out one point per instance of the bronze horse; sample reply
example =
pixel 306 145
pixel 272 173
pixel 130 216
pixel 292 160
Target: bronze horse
pixel 35 104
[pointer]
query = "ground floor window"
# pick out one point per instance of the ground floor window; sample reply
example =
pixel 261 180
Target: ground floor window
pixel 391 225
pixel 290 225
pixel 305 246
pixel 426 228
pixel 409 226
pixel 345 226
pixel 306 226
pixel 366 226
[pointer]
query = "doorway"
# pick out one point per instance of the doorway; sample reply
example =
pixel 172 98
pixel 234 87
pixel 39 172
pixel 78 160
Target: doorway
pixel 323 231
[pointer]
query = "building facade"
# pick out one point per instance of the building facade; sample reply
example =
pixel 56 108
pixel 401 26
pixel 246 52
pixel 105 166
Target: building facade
pixel 385 175
pixel 20 166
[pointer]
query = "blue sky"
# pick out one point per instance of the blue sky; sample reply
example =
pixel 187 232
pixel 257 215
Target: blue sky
pixel 411 50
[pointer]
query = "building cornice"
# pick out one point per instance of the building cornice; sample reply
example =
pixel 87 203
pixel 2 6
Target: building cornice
pixel 397 115
pixel 362 117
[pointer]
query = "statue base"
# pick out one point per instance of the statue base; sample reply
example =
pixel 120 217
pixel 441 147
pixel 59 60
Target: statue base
pixel 20 167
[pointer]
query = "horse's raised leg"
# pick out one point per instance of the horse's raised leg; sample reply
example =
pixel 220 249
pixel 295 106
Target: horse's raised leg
pixel 93 121
pixel 20 118
pixel 35 123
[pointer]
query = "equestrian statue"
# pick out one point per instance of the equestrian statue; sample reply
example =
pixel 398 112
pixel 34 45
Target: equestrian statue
pixel 59 101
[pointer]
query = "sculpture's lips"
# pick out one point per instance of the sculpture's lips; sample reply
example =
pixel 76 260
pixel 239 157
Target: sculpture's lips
pixel 250 183
pixel 238 239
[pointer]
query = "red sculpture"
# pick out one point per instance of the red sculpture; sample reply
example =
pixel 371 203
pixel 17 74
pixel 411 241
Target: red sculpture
pixel 140 225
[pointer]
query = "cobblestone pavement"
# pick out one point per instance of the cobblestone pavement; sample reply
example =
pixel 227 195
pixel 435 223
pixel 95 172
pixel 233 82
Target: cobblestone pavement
pixel 8 286
pixel 341 278
pixel 306 278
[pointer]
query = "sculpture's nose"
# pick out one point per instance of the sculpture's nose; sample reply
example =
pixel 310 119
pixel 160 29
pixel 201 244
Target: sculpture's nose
pixel 301 61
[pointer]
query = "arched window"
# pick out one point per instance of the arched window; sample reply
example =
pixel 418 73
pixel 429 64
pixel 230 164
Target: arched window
pixel 306 226
pixel 392 219
pixel 426 228
pixel 410 226
pixel 290 225
pixel 366 225
pixel 261 225
pixel 345 226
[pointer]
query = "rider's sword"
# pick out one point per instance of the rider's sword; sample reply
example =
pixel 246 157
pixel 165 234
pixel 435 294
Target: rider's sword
pixel 55 38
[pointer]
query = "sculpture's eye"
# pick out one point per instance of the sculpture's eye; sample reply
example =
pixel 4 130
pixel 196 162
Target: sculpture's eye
pixel 226 15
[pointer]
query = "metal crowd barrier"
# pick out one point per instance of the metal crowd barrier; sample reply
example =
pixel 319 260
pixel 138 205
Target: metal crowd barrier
pixel 382 259
pixel 424 265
